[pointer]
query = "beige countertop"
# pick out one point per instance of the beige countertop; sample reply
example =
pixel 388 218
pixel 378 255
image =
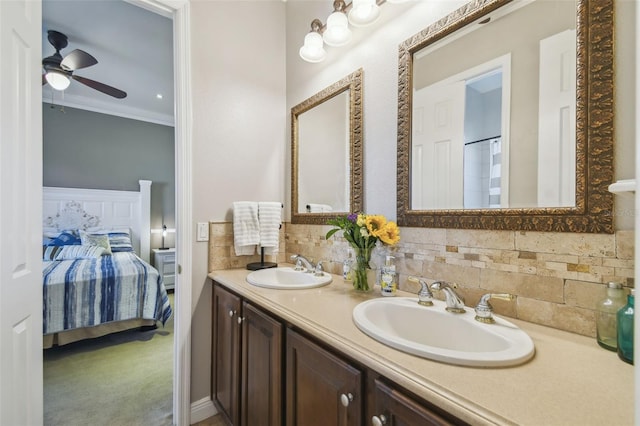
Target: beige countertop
pixel 570 380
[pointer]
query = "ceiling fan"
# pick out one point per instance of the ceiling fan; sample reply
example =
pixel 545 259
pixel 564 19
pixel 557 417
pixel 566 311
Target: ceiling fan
pixel 58 71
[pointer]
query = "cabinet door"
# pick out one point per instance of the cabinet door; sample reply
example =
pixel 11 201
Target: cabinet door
pixel 226 353
pixel 321 389
pixel 261 368
pixel 392 407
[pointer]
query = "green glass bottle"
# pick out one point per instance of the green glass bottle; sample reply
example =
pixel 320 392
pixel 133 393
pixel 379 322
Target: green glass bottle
pixel 625 329
pixel 606 316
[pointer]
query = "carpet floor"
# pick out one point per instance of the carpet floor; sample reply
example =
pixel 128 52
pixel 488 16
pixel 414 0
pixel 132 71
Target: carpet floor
pixel 123 379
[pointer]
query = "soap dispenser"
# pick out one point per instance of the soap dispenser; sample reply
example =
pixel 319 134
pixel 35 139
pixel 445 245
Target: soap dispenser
pixel 606 319
pixel 625 329
pixel 388 278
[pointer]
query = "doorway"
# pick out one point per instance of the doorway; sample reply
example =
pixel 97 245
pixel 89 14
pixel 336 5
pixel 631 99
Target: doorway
pixel 179 12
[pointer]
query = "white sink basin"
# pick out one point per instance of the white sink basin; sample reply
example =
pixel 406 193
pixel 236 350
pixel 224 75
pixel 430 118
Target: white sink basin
pixel 285 278
pixel 432 332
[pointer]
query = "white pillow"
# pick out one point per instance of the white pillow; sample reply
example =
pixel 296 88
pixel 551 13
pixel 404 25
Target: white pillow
pixel 80 252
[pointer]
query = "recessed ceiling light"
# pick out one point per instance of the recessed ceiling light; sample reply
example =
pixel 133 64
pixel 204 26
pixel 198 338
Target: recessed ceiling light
pixel 159 96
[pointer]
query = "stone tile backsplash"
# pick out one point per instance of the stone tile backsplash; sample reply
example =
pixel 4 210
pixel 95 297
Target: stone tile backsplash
pixel 557 277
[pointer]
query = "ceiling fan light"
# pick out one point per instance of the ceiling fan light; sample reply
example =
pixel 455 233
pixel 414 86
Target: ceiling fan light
pixel 57 80
pixel 363 12
pixel 313 50
pixel 337 32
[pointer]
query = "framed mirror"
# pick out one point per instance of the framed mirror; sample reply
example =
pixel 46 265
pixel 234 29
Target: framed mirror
pixel 326 153
pixel 505 118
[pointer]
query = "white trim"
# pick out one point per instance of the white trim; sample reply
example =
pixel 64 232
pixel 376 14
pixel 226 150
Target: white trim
pixel 184 216
pixel 180 11
pixel 145 219
pixel 81 102
pixel 202 409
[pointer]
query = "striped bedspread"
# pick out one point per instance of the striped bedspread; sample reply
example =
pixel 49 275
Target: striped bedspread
pixel 88 292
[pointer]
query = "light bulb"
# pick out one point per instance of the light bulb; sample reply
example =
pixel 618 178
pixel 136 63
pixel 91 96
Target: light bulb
pixel 363 12
pixel 57 80
pixel 337 32
pixel 313 49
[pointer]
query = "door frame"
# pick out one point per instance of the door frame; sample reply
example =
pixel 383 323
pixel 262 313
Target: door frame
pixel 179 11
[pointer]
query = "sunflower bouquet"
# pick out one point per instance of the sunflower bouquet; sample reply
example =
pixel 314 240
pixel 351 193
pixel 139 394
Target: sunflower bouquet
pixel 363 231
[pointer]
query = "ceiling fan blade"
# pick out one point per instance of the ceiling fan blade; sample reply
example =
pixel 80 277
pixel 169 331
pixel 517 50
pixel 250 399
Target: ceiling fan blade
pixel 77 59
pixel 101 87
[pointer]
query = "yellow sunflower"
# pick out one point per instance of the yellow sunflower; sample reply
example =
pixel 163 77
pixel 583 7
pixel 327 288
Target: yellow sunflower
pixel 375 224
pixel 390 234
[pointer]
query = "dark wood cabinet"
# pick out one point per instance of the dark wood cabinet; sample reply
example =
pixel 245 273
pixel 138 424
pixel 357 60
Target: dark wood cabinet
pixel 321 389
pixel 266 372
pixel 226 354
pixel 261 390
pixel 247 362
pixel 391 406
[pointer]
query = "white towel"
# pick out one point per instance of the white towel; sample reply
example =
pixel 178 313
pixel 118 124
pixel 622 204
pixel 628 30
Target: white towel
pixel 318 208
pixel 246 228
pixel 269 217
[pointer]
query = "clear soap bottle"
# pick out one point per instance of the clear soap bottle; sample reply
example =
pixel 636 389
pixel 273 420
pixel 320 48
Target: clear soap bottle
pixel 606 316
pixel 346 267
pixel 625 329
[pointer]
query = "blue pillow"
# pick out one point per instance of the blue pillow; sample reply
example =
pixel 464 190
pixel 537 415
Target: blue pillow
pixel 120 241
pixel 65 238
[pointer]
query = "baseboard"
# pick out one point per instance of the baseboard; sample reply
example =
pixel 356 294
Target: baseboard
pixel 202 409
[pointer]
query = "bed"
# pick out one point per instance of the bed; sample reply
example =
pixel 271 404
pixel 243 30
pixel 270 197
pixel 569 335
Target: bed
pixel 96 273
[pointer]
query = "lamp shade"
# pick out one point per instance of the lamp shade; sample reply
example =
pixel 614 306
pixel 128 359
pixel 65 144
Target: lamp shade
pixel 363 12
pixel 313 49
pixel 337 32
pixel 57 80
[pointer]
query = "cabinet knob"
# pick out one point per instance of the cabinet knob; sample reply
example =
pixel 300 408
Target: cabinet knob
pixel 345 399
pixel 240 319
pixel 378 420
pixel 231 313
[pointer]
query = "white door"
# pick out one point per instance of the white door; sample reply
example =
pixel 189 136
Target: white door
pixel 557 121
pixel 20 213
pixel 437 147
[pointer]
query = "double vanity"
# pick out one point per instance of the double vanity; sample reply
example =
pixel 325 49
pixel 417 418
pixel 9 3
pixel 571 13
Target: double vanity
pixel 326 354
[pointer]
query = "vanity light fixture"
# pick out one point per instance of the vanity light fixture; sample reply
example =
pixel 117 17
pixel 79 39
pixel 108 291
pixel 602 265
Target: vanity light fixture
pixel 336 32
pixel 313 50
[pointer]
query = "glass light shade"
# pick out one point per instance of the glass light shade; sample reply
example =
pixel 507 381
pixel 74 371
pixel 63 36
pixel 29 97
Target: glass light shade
pixel 363 12
pixel 313 50
pixel 337 32
pixel 57 80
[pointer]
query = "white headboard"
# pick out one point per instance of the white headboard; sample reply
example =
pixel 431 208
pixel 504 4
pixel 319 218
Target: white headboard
pixel 76 208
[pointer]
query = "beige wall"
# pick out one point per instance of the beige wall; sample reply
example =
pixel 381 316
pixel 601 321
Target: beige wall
pixel 238 85
pixel 222 173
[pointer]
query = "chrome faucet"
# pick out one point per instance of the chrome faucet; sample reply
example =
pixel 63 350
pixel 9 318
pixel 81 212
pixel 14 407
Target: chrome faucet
pixel 484 309
pixel 308 265
pixel 425 297
pixel 455 303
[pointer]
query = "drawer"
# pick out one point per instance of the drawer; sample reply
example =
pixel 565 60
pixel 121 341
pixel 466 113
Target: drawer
pixel 168 268
pixel 170 258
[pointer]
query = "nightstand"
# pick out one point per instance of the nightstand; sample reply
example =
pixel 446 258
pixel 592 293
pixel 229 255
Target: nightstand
pixel 165 263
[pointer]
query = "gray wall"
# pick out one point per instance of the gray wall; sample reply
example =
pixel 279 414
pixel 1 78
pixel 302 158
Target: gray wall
pixel 84 149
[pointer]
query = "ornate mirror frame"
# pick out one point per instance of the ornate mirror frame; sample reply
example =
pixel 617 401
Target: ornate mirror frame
pixel 352 83
pixel 593 212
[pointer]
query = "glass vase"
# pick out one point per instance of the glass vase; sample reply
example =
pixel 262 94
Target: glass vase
pixel 361 269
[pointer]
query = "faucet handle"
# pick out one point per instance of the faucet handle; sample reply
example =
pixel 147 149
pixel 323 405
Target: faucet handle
pixel 298 263
pixel 425 297
pixel 484 309
pixel 318 269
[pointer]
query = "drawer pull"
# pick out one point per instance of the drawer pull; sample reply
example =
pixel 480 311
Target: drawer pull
pixel 345 399
pixel 378 420
pixel 231 313
pixel 240 319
